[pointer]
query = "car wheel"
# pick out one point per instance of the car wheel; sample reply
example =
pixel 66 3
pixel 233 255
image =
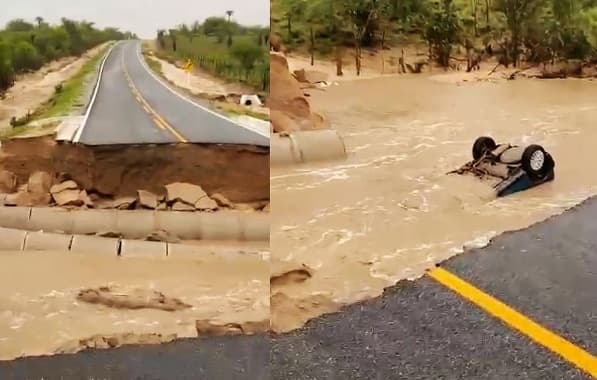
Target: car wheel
pixel 536 161
pixel 483 145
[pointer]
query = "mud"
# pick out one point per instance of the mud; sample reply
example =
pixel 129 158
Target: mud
pixel 32 90
pixel 42 311
pixel 240 174
pixel 389 211
pixel 130 299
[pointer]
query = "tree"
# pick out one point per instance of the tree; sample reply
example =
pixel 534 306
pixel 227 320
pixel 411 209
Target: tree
pixel 358 15
pixel 6 71
pixel 39 21
pixel 518 13
pixel 293 8
pixel 442 32
pixel 25 57
pixel 229 13
pixel 247 54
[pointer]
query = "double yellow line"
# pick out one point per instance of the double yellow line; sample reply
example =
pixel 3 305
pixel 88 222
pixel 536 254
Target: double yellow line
pixel 564 348
pixel 157 118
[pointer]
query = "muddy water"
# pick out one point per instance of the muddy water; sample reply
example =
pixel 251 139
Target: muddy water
pixel 40 313
pixel 389 211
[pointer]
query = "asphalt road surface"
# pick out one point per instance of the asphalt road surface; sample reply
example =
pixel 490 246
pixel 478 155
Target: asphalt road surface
pixel 416 330
pixel 134 106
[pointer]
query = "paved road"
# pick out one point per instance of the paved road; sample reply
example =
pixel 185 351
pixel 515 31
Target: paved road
pixel 133 105
pixel 416 330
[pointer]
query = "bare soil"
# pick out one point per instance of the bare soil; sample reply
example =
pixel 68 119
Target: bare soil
pixel 32 90
pixel 239 173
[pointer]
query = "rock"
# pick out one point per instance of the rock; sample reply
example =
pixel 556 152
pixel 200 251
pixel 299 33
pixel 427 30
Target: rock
pixel 206 203
pixel 39 182
pixel 184 192
pixel 67 185
pixel 123 203
pixel 8 181
pixel 222 201
pixel 181 206
pixel 162 206
pixel 163 236
pixel 85 198
pixel 69 197
pixel 310 76
pixel 132 299
pixel 211 328
pixel 147 199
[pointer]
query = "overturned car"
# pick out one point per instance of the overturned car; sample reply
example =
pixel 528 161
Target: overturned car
pixel 516 168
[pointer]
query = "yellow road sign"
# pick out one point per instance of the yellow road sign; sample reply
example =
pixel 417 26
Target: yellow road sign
pixel 188 66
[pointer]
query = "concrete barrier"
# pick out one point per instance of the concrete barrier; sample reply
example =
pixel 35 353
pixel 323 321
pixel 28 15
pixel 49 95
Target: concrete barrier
pixel 140 248
pixel 14 240
pixel 15 217
pixel 306 146
pixel 43 241
pixel 138 224
pixel 11 239
pixel 95 245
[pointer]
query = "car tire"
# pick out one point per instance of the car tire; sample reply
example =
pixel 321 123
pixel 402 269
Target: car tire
pixel 483 145
pixel 536 161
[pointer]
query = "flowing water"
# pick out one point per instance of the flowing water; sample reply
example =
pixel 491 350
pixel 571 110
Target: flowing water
pixel 40 313
pixel 389 211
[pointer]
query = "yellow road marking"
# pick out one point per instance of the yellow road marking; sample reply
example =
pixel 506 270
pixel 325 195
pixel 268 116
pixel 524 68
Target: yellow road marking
pixel 159 123
pixel 567 350
pixel 158 120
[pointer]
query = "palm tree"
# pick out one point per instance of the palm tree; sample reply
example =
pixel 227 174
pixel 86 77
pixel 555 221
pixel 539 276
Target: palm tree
pixel 39 20
pixel 229 13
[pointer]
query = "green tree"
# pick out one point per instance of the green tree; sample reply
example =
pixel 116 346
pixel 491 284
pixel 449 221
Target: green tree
pixel 6 71
pixel 25 57
pixel 247 54
pixel 442 32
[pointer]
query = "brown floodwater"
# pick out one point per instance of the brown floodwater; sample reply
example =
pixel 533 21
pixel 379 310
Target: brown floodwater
pixel 389 211
pixel 40 313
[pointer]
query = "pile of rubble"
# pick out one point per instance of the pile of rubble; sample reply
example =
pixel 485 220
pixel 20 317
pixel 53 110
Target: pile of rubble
pixel 42 190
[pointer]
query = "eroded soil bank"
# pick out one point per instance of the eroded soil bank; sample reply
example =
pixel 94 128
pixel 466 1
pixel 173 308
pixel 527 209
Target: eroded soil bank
pixel 389 212
pixel 239 173
pixel 63 302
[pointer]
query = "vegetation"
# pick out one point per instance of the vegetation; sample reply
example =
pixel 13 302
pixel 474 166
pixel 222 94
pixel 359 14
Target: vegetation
pixel 68 94
pixel 535 31
pixel 222 47
pixel 65 98
pixel 26 46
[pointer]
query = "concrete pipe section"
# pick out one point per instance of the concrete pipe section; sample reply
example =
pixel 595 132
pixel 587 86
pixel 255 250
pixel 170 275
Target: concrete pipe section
pixel 14 240
pixel 138 224
pixel 306 146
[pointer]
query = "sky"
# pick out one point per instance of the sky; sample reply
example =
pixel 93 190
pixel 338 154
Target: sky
pixel 143 17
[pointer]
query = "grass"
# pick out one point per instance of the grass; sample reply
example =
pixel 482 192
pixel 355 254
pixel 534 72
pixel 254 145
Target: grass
pixel 240 110
pixel 63 101
pixel 214 57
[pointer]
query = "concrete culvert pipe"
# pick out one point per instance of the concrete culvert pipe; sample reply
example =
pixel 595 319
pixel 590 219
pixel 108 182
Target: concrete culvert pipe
pixel 306 146
pixel 138 224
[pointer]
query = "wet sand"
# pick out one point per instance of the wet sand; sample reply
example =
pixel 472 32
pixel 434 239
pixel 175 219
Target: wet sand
pixel 31 90
pixel 40 313
pixel 389 212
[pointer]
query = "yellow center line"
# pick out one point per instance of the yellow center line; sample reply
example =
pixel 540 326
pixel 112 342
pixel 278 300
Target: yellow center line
pixel 158 120
pixel 567 350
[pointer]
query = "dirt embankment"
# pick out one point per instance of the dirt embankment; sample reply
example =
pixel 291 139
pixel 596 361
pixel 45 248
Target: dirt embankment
pixel 240 174
pixel 32 90
pixel 290 109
